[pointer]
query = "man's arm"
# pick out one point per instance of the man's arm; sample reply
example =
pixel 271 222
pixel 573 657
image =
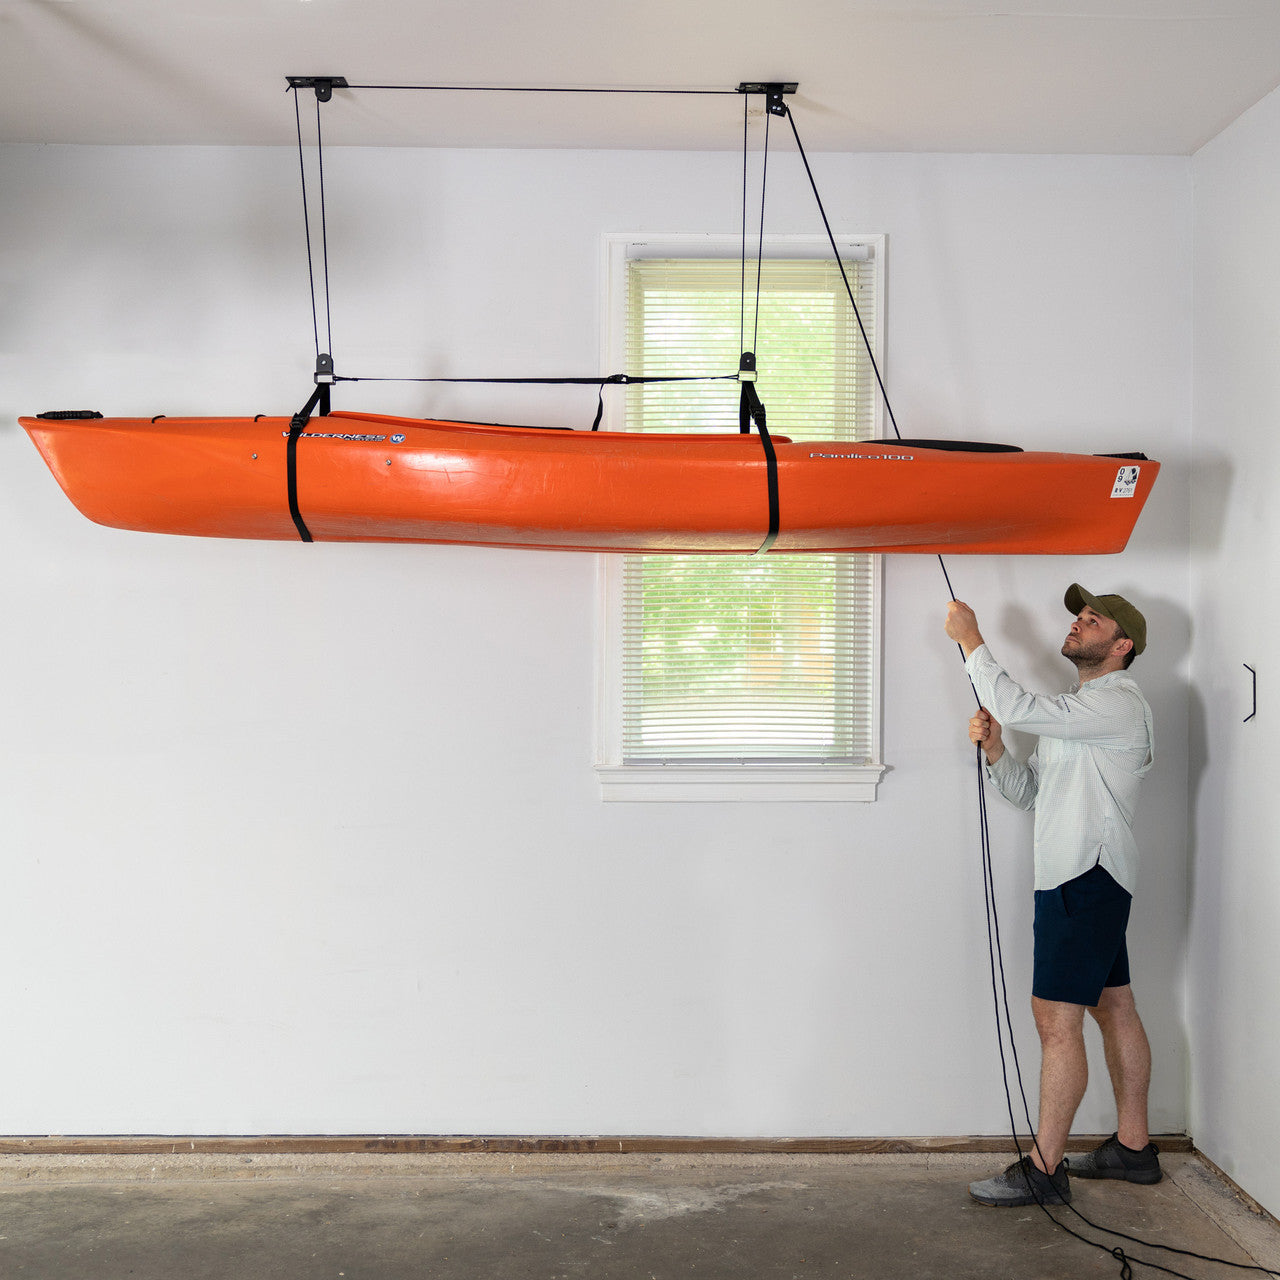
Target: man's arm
pixel 1106 716
pixel 1109 717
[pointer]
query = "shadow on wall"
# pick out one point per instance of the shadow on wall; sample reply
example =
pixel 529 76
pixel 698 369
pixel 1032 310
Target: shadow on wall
pixel 1214 481
pixel 1204 891
pixel 1031 630
pixel 1169 625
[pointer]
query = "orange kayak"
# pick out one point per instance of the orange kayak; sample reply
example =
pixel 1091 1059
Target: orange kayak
pixel 368 478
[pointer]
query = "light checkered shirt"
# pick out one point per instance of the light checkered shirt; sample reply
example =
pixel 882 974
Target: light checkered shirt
pixel 1095 747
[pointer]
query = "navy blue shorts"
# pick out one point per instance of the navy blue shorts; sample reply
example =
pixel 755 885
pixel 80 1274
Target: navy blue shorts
pixel 1079 939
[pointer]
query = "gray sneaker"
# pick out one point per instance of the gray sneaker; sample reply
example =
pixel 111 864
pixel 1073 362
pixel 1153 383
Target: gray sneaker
pixel 1022 1183
pixel 1114 1160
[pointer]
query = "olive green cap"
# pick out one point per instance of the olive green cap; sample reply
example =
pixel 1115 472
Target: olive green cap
pixel 1117 608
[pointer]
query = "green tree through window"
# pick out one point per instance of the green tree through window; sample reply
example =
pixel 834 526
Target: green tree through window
pixel 749 659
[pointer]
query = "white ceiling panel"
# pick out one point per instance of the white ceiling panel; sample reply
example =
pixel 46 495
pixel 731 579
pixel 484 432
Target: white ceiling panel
pixel 1112 76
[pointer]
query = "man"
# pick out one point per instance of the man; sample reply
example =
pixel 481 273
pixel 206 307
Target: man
pixel 1095 747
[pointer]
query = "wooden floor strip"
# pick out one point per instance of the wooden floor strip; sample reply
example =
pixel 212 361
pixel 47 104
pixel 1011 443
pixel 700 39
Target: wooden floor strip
pixel 406 1144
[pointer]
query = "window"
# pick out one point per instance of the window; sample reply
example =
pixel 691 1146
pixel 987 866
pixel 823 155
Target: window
pixel 742 677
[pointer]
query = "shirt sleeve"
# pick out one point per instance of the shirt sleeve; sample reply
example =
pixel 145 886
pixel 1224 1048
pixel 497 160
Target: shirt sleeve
pixel 1018 783
pixel 1103 716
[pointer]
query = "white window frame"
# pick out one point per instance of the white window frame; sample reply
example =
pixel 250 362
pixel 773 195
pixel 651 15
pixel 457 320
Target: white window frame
pixel 746 781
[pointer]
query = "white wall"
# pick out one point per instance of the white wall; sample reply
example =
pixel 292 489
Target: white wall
pixel 306 838
pixel 1234 977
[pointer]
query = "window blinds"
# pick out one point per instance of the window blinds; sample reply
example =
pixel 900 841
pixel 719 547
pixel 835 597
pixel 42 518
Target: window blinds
pixel 766 658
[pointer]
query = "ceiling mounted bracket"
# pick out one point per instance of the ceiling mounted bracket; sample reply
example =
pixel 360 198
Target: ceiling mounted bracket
pixel 323 85
pixel 773 90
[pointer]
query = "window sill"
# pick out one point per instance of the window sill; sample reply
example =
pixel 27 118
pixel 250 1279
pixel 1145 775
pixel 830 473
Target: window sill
pixel 805 784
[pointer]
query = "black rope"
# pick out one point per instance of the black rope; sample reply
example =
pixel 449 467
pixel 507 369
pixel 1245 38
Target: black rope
pixel 518 88
pixel 750 407
pixel 324 234
pixel 764 187
pixel 866 341
pixel 599 382
pixel 742 285
pixel 306 221
pixel 995 948
pixel 613 379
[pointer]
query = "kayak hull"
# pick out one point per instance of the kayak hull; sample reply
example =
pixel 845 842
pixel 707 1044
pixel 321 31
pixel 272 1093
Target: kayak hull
pixel 373 478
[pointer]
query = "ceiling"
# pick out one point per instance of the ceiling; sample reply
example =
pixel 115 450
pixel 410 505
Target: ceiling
pixel 1053 76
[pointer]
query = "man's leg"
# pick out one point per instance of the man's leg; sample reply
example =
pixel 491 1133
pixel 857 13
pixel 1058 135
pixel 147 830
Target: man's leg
pixel 1128 1060
pixel 1064 1073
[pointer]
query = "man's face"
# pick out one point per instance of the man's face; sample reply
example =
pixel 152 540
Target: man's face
pixel 1088 644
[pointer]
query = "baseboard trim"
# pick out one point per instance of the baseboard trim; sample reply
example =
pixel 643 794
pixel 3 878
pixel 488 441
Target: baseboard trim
pixel 1237 1190
pixel 406 1144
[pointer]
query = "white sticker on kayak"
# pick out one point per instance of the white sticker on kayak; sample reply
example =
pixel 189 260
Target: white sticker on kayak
pixel 1126 484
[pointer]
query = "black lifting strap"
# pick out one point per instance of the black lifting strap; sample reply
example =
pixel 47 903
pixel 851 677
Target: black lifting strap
pixel 297 425
pixel 631 380
pixel 750 409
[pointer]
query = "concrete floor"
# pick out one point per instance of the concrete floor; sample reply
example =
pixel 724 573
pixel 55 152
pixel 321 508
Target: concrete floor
pixel 562 1217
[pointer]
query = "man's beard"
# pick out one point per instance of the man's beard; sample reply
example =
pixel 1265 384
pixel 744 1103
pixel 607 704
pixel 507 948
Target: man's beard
pixel 1086 653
